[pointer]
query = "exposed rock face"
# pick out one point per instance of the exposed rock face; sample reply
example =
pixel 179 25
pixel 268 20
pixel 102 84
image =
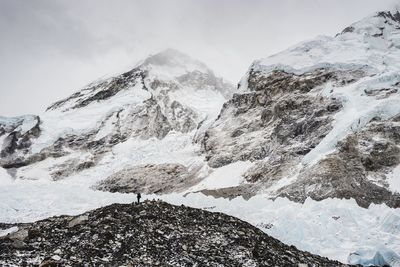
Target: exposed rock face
pixel 74 165
pixel 282 114
pixel 150 179
pixel 101 91
pixel 356 170
pixel 281 119
pixel 144 121
pixel 16 137
pixel 149 234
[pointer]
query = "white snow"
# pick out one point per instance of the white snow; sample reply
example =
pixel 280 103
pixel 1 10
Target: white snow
pixel 4 232
pixel 171 63
pixel 21 123
pixel 106 128
pixel 57 123
pixel 2 138
pixel 394 179
pixel 207 102
pixel 25 201
pixel 174 148
pixel 10 121
pixel 5 178
pixel 358 109
pixel 226 176
pixel 358 48
pixel 284 181
pixel 28 123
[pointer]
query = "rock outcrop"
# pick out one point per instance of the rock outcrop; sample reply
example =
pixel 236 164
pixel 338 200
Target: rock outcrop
pixel 16 137
pixel 282 115
pixel 150 179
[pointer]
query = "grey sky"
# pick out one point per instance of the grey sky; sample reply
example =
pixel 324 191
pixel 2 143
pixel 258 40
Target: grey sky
pixel 51 48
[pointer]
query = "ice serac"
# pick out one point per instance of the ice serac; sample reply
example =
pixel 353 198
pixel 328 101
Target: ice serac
pixel 167 93
pixel 320 119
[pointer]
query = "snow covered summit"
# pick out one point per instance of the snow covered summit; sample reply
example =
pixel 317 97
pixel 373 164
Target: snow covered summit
pixel 171 61
pixel 372 42
pixel 166 93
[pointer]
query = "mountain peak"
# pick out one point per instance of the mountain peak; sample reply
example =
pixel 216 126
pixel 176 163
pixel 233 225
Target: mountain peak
pixel 393 15
pixel 377 25
pixel 167 55
pixel 174 61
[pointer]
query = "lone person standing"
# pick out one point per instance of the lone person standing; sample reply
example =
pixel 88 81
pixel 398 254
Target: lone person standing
pixel 138 197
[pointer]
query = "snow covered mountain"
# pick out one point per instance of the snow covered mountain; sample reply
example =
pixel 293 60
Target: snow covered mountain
pixel 311 140
pixel 319 120
pixel 168 93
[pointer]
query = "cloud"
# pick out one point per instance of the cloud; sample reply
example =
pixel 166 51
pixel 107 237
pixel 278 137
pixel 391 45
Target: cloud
pixel 50 48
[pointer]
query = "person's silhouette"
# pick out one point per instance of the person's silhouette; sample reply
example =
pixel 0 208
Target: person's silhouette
pixel 138 197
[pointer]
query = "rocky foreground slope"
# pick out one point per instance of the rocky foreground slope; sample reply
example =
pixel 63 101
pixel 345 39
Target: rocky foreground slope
pixel 149 234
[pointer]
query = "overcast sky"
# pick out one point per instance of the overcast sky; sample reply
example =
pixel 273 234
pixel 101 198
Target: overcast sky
pixel 50 48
